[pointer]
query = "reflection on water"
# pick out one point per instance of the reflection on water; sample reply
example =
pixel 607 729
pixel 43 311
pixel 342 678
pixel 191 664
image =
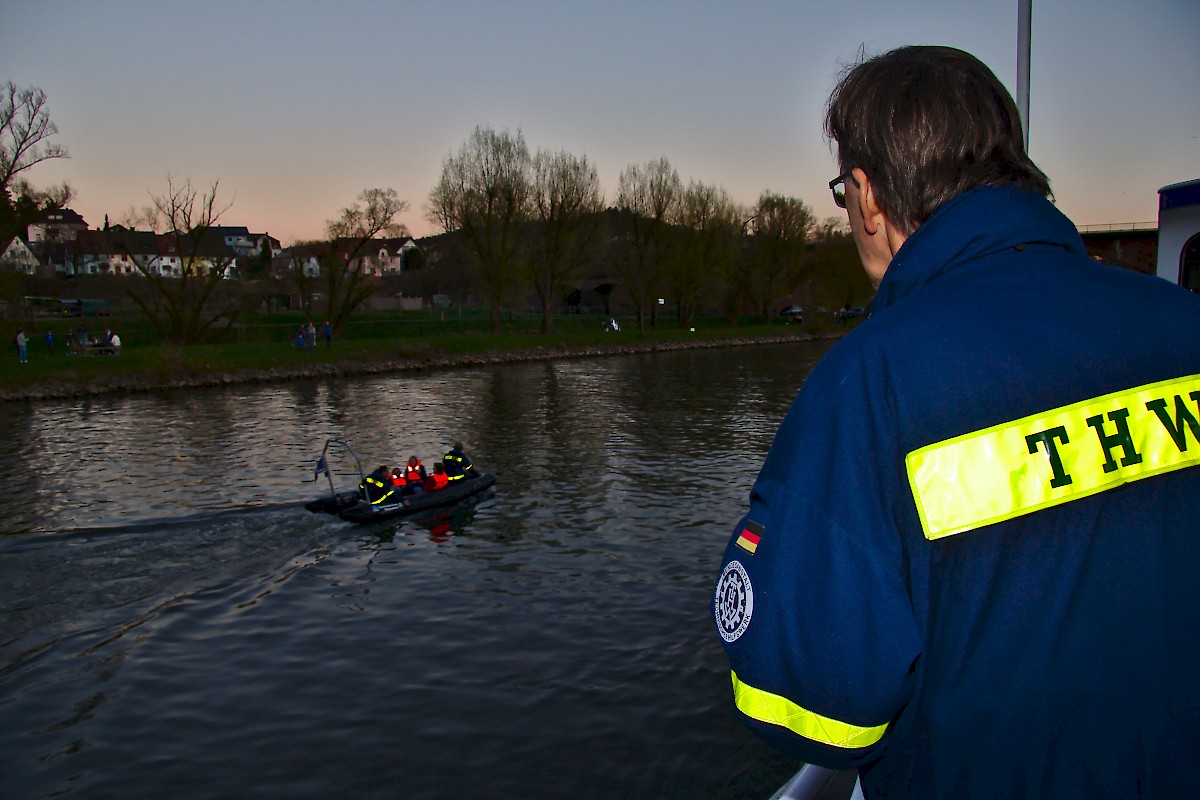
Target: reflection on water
pixel 174 624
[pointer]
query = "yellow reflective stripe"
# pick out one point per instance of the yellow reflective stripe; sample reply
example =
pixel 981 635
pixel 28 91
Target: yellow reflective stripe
pixel 776 710
pixel 1054 457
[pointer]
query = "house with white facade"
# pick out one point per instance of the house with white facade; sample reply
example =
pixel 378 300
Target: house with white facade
pixel 15 254
pixel 126 251
pixel 236 238
pixel 302 258
pixel 378 257
pixel 57 226
pixel 61 244
pixel 116 251
pixel 242 242
pixel 261 241
pixel 391 255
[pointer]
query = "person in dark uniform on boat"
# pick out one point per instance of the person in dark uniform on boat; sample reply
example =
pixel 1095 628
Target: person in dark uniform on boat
pixel 377 487
pixel 457 464
pixel 969 564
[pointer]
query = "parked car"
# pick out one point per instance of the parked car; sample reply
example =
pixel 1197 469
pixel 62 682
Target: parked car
pixel 792 314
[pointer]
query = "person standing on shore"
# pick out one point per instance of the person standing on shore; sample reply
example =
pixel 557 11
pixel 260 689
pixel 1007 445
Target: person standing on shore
pixel 328 334
pixel 22 352
pixel 50 342
pixel 969 564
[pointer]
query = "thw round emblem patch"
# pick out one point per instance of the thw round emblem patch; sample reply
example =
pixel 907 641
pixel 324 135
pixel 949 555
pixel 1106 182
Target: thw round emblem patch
pixel 733 603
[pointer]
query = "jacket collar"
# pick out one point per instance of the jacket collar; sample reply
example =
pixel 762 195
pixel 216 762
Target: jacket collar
pixel 973 225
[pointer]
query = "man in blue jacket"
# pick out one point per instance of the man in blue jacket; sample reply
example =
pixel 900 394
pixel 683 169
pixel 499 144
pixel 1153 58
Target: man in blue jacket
pixel 971 562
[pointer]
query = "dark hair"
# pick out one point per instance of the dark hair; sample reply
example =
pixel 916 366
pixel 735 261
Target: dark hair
pixel 928 123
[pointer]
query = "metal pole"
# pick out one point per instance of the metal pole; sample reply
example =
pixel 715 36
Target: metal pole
pixel 1024 28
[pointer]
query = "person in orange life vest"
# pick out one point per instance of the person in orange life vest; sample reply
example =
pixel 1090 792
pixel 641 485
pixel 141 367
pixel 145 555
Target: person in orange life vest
pixel 398 479
pixel 414 472
pixel 438 480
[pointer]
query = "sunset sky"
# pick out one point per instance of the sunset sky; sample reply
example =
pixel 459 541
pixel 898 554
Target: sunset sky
pixel 295 107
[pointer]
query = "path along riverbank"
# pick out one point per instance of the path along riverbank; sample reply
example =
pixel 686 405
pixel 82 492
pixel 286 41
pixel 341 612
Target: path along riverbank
pixel 187 380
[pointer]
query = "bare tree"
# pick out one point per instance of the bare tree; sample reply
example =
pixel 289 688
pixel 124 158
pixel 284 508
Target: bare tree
pixel 651 192
pixel 25 128
pixel 484 192
pixel 144 217
pixel 708 242
pixel 780 228
pixel 345 269
pixel 181 294
pixel 566 201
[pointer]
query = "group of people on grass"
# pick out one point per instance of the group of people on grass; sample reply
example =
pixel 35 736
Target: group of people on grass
pixel 306 336
pixel 384 484
pixel 109 343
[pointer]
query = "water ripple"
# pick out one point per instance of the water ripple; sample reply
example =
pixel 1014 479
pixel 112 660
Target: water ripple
pixel 176 626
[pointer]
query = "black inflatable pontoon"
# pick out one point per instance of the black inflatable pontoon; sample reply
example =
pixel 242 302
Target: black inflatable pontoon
pixel 350 505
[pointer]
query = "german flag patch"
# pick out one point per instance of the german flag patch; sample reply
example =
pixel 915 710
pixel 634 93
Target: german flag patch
pixel 750 536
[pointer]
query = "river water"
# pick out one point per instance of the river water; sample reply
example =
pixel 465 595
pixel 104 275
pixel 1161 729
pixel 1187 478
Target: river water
pixel 174 624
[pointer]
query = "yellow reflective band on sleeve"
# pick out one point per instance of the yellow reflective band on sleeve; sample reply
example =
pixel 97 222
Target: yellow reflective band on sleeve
pixel 775 710
pixel 1054 457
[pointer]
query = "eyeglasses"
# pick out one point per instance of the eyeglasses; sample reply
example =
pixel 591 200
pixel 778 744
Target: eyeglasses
pixel 838 187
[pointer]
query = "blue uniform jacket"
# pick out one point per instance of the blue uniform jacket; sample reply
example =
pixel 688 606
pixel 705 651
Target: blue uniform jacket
pixel 1051 653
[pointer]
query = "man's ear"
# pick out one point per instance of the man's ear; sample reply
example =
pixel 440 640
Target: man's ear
pixel 868 207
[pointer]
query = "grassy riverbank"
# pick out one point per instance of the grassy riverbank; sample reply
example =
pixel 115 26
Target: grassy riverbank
pixel 265 352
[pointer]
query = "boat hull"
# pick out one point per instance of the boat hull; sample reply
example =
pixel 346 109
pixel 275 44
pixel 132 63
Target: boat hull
pixel 348 506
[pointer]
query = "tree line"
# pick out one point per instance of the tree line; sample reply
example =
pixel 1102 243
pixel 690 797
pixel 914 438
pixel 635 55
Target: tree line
pixel 533 219
pixel 523 222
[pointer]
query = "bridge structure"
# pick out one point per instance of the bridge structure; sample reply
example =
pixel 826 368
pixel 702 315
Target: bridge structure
pixel 1168 247
pixel 1129 245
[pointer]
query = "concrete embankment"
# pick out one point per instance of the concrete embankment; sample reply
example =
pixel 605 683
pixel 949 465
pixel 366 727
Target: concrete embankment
pixel 163 382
